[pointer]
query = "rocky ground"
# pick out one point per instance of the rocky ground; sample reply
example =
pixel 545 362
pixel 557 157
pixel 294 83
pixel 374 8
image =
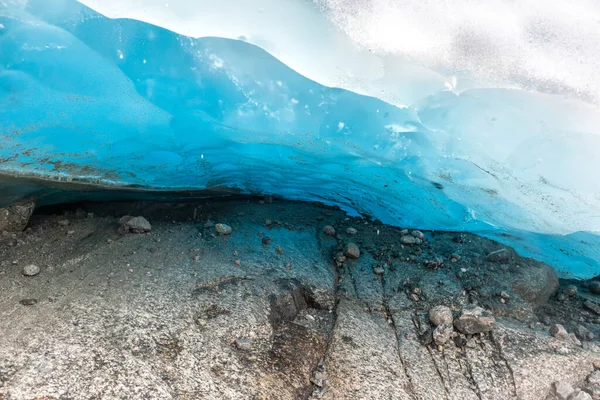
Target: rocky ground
pixel 249 299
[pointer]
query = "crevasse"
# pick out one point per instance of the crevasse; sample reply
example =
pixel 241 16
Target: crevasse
pixel 452 125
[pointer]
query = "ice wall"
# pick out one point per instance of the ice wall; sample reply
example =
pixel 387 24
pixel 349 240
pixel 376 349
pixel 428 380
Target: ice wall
pixel 440 143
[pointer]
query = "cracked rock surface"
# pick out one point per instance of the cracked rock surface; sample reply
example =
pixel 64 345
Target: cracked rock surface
pixel 182 312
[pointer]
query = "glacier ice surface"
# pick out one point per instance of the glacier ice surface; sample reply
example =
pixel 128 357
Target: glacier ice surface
pixel 464 140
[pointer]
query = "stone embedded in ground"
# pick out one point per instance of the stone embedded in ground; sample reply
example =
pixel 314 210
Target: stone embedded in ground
pixel 442 334
pixel 329 230
pixel 28 302
pixel 562 390
pixel 439 315
pixel 474 319
pixel 351 231
pixel 223 229
pixel 558 331
pixel 378 270
pixel 352 251
pixel 31 270
pixel 14 218
pixel 135 224
pixel 535 284
pixel 499 256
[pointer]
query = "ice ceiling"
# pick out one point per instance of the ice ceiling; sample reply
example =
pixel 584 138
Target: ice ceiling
pixel 454 115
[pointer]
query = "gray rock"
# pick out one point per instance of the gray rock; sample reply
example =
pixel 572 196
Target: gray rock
pixel 223 229
pixel 135 224
pixel 64 222
pixel 535 284
pixel 499 256
pixel 410 240
pixel 439 315
pixel 442 334
pixel 570 291
pixel 418 235
pixel 474 319
pixel 31 270
pixel 351 231
pixel 378 270
pixel 14 218
pixel 562 390
pixel 573 339
pixel 594 287
pixel 558 331
pixel 404 232
pixel 580 395
pixel 594 378
pixel 329 230
pixel 583 333
pixel 28 302
pixel 352 251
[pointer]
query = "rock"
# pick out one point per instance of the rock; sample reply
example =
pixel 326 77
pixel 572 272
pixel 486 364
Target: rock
pixel 570 291
pixel 352 251
pixel 266 240
pixel 558 331
pixel 474 319
pixel 594 287
pixel 378 270
pixel 434 263
pixel 28 302
pixel 410 240
pixel 414 297
pixel 454 257
pixel 535 284
pixel 223 229
pixel 268 222
pixel 582 333
pixel 243 343
pixel 64 222
pixel 426 338
pixel 442 334
pixel 592 306
pixel 499 256
pixel 319 379
pixel 329 230
pixel 279 250
pixel 574 339
pixel 351 231
pixel 135 224
pixel 580 395
pixel 14 218
pixel 418 235
pixel 594 378
pixel 31 270
pixel 439 315
pixel 404 232
pixel 504 295
pixel 209 224
pixel 562 390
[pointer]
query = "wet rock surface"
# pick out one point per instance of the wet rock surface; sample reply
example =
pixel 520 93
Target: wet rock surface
pixel 278 307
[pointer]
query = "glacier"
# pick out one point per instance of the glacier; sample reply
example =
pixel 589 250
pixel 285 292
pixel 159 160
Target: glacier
pixel 418 115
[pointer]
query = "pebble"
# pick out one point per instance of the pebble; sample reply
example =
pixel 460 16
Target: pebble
pixel 64 222
pixel 266 240
pixel 454 257
pixel 329 230
pixel 352 251
pixel 268 222
pixel 442 334
pixel 558 331
pixel 580 395
pixel 571 291
pixel 223 229
pixel 404 232
pixel 31 270
pixel 351 231
pixel 474 319
pixel 378 270
pixel 279 250
pixel 439 315
pixel 504 295
pixel 414 297
pixel 28 302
